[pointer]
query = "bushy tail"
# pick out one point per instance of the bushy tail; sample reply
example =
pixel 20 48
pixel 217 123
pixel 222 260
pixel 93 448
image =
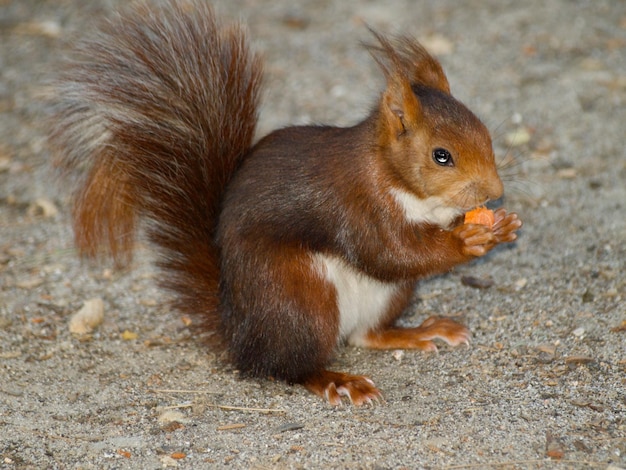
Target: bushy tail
pixel 156 111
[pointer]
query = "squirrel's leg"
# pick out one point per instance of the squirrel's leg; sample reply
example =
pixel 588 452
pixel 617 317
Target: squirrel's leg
pixel 279 315
pixel 420 337
pixel 388 336
pixel 292 334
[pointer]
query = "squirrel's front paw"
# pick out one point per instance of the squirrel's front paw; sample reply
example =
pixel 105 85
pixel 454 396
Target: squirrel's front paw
pixel 476 240
pixel 505 226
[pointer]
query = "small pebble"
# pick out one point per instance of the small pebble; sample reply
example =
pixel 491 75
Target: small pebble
pixel 477 282
pixel 88 317
pixel 171 416
pixel 579 360
pixel 518 137
pixel 43 207
pixel 288 427
pixel 47 28
pixel 437 44
pixel 5 163
pixel 398 354
pixel 567 173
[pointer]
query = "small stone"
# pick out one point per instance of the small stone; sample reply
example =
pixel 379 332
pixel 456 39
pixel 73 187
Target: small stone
pixel 521 283
pixel 437 44
pixel 42 207
pixel 579 360
pixel 47 28
pixel 477 282
pixel 88 317
pixel 5 163
pixel 288 427
pixel 129 335
pixel 171 416
pixel 518 137
pixel 547 349
pixel 29 283
pixel 567 173
pixel 587 297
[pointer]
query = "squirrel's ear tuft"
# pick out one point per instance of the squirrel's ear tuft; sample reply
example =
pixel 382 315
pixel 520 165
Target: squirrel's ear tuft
pixel 400 109
pixel 404 57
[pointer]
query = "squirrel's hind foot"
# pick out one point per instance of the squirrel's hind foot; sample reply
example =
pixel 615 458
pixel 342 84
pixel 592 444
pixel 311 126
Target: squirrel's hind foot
pixel 333 386
pixel 421 337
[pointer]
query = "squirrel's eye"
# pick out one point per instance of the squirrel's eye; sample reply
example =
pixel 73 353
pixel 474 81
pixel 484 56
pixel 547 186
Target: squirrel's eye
pixel 442 157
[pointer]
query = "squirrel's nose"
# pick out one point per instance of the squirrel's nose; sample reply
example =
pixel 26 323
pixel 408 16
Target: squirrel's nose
pixel 491 188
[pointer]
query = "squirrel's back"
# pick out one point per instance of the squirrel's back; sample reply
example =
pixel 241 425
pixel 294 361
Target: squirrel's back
pixel 154 114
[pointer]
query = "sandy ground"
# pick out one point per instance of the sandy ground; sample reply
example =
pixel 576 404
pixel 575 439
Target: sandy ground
pixel 543 384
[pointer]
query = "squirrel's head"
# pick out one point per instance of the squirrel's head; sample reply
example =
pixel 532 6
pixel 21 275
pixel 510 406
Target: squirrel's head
pixel 437 149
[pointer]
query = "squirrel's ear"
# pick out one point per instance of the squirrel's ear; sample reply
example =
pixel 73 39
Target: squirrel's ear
pixel 400 109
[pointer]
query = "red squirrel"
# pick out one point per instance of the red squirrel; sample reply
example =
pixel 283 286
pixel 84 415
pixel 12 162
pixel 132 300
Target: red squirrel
pixel 312 237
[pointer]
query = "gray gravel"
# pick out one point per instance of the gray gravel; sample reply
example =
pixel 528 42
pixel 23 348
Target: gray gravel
pixel 543 384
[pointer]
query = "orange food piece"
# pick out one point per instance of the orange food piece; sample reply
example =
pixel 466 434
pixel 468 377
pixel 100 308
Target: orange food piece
pixel 480 216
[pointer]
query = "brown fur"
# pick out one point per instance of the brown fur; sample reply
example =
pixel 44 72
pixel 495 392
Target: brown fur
pixel 157 113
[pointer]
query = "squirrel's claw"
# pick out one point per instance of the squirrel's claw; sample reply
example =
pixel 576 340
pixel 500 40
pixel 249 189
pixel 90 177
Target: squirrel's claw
pixel 333 386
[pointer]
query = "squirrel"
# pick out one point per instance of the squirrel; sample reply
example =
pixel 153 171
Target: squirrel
pixel 286 248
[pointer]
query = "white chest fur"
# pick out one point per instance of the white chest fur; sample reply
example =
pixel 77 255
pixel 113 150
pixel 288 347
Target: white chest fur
pixel 362 300
pixel 432 210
